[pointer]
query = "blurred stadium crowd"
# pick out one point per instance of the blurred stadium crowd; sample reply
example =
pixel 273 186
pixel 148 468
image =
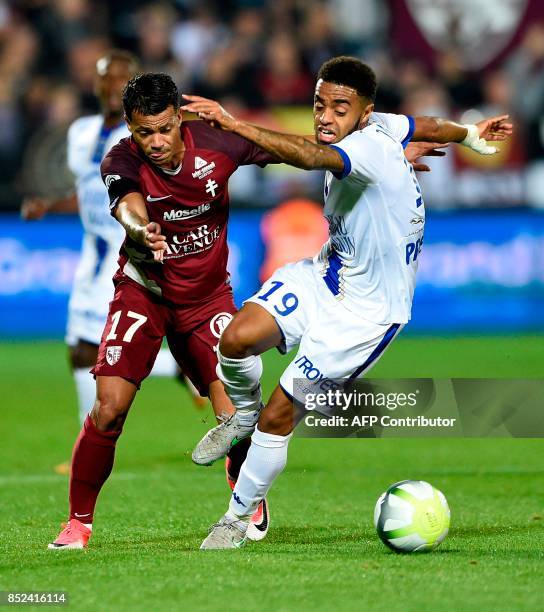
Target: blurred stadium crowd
pixel 258 56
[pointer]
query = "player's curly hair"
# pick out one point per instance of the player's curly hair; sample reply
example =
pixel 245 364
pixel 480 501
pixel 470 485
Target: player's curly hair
pixel 150 94
pixel 350 71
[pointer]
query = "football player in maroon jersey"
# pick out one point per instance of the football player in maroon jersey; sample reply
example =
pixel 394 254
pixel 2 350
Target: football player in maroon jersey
pixel 88 140
pixel 167 185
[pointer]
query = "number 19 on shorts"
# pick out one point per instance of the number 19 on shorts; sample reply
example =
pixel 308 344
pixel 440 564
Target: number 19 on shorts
pixel 288 301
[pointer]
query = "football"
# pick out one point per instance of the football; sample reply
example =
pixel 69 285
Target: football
pixel 412 516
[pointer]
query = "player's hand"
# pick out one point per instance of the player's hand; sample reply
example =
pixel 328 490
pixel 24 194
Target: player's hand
pixel 415 150
pixel 495 128
pixel 210 111
pixel 33 209
pixel 154 240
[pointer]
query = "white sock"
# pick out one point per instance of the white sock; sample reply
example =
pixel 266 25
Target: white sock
pixel 265 461
pixel 241 380
pixel 86 391
pixel 165 364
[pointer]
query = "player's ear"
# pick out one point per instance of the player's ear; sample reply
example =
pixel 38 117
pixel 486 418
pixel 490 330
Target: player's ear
pixel 179 116
pixel 127 121
pixel 365 116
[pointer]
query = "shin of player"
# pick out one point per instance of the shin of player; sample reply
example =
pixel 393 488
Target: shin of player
pixel 240 368
pixel 252 332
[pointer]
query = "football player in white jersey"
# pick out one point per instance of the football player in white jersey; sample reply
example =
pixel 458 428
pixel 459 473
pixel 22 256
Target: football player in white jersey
pixel 343 308
pixel 89 139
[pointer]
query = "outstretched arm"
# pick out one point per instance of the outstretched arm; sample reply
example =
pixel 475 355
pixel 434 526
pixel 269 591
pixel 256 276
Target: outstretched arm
pixel 474 136
pixel 132 215
pixel 297 151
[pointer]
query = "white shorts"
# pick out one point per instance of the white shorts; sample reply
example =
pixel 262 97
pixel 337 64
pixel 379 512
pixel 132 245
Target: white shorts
pixel 92 292
pixel 333 342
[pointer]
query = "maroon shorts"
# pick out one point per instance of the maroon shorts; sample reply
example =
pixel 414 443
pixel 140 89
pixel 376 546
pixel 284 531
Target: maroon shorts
pixel 138 321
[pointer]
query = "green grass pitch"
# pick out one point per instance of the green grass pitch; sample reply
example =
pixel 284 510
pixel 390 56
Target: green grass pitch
pixel 321 552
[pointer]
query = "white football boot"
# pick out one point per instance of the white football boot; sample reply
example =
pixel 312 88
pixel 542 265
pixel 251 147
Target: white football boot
pixel 259 523
pixel 226 533
pixel 219 440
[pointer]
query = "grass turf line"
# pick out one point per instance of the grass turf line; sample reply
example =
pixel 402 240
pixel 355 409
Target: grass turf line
pixel 322 549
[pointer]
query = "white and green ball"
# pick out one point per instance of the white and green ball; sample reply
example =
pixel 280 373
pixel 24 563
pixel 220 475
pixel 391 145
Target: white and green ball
pixel 412 516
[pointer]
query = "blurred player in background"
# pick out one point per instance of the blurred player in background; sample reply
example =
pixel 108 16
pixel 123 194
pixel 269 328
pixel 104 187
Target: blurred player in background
pixel 89 139
pixel 168 189
pixel 343 308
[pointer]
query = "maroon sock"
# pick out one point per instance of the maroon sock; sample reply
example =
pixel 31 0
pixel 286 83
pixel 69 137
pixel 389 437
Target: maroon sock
pixel 237 455
pixel 92 462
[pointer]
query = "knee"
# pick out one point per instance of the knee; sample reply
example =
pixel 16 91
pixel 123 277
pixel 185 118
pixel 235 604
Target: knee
pixel 237 341
pixel 109 412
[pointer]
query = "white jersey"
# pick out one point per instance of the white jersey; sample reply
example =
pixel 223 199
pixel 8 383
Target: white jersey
pixel 88 143
pixel 376 221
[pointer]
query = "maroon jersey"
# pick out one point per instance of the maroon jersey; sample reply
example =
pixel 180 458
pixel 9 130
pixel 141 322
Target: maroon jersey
pixel 191 204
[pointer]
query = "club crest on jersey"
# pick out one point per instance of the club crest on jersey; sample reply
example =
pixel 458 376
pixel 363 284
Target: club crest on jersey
pixel 113 354
pixel 202 168
pixel 219 322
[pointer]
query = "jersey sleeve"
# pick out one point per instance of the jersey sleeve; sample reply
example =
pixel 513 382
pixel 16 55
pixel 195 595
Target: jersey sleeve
pixel 244 152
pixel 364 158
pixel 120 173
pixel 252 154
pixel 241 151
pixel 400 126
